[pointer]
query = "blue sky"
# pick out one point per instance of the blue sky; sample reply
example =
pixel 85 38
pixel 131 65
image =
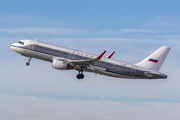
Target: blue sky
pixel 134 29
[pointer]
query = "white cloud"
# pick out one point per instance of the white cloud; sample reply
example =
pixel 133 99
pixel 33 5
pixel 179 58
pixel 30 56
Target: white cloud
pixel 122 32
pixel 134 30
pixel 169 36
pixel 14 107
pixel 114 40
pixel 165 23
pixel 43 30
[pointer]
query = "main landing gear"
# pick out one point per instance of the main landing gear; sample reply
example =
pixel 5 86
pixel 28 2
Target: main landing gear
pixel 28 63
pixel 80 75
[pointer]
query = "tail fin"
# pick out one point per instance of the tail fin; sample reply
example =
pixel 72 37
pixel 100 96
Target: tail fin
pixel 156 59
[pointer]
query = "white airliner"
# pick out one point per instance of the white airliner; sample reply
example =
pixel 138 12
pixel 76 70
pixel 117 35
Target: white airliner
pixel 68 59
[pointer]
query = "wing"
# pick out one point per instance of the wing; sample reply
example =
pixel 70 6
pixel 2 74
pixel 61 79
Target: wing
pixel 81 64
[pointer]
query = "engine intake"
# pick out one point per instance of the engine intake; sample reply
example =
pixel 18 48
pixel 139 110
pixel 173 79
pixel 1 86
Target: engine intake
pixel 61 65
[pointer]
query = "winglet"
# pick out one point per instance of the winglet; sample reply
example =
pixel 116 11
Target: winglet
pixel 110 55
pixel 100 56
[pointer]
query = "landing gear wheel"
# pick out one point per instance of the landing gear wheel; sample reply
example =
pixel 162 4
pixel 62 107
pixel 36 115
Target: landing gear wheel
pixel 80 76
pixel 28 63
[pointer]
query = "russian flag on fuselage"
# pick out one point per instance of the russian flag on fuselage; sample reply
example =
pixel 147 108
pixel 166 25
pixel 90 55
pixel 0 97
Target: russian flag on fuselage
pixel 153 60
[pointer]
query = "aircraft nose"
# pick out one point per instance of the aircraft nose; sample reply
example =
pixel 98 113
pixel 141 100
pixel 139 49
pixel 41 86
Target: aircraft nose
pixel 12 46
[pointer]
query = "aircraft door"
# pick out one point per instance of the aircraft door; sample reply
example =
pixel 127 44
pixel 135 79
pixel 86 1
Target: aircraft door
pixel 133 71
pixel 31 45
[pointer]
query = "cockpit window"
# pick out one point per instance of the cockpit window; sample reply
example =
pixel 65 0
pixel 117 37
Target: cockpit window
pixel 20 42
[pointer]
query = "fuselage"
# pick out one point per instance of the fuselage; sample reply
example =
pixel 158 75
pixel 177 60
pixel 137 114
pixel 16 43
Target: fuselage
pixel 105 66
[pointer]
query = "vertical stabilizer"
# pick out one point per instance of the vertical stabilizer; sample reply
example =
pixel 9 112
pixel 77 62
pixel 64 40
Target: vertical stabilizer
pixel 156 59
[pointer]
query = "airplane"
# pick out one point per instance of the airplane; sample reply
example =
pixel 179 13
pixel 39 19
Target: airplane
pixel 69 59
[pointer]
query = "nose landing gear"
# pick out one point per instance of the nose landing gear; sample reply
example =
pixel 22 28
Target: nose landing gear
pixel 28 63
pixel 80 75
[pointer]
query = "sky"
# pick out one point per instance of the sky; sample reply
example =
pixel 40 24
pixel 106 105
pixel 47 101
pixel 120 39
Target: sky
pixel 134 29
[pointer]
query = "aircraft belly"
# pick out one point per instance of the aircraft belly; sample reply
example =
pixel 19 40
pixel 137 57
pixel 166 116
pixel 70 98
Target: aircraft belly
pixel 44 57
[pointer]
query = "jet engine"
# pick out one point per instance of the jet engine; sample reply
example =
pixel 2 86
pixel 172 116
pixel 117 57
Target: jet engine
pixel 61 65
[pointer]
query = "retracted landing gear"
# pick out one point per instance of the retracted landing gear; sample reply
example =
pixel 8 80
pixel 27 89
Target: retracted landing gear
pixel 28 63
pixel 80 75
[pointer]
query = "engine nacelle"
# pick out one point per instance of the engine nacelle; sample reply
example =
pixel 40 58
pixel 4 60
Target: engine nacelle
pixel 61 65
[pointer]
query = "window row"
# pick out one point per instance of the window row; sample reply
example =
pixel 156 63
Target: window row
pixel 63 53
pixel 47 49
pixel 115 66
